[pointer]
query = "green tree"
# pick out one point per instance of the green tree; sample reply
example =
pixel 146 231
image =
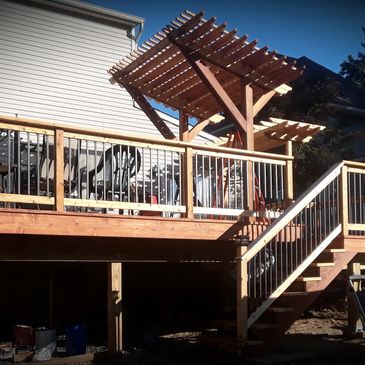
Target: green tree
pixel 314 158
pixel 354 68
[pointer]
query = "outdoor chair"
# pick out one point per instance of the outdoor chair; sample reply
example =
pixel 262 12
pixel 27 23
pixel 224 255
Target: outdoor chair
pixel 112 176
pixel 39 178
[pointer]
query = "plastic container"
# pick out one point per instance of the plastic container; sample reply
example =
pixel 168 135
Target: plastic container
pixel 76 339
pixel 45 344
pixel 23 336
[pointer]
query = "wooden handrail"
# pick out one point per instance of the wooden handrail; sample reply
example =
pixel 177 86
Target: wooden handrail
pixel 358 164
pixel 49 125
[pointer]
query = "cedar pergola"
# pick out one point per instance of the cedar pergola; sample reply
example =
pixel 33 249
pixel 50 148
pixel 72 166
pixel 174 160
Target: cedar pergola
pixel 200 69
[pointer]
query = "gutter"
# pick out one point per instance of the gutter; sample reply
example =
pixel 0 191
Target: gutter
pixel 81 8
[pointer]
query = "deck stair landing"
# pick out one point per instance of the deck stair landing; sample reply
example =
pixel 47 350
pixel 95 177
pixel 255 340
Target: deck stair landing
pixel 282 276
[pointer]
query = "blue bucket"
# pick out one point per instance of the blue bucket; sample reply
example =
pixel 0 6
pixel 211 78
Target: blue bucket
pixel 76 339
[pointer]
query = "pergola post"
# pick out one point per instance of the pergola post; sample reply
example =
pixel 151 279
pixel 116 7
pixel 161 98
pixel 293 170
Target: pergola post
pixel 248 140
pixel 289 191
pixel 186 190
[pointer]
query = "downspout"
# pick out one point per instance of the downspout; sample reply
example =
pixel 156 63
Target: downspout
pixel 138 36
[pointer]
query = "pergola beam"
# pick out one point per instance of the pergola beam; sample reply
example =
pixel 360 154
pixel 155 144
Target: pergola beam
pixel 199 67
pixel 151 113
pixel 217 91
pixel 262 101
pixel 197 129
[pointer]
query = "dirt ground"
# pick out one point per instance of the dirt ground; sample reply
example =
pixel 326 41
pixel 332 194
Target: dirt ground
pixel 316 338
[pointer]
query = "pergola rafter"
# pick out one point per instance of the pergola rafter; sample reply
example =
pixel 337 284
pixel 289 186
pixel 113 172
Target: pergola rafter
pixel 203 69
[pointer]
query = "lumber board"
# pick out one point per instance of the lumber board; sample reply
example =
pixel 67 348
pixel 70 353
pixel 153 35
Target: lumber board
pixel 115 315
pixel 25 128
pixel 22 221
pixel 344 217
pixel 188 183
pixel 27 199
pixel 59 171
pixel 242 294
pixel 89 203
pixel 354 243
pixel 289 183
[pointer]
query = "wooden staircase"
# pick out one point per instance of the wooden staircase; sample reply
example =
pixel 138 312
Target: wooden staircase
pixel 297 298
pixel 277 319
pixel 283 271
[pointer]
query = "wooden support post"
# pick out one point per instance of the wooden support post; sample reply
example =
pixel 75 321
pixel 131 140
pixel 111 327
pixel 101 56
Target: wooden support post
pixel 289 191
pixel 248 138
pixel 344 218
pixel 188 190
pixel 115 317
pixel 247 111
pixel 354 321
pixel 242 293
pixel 59 170
pixel 50 298
pixel 183 126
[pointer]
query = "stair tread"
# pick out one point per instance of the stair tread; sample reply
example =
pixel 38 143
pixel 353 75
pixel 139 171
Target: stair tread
pixel 309 278
pixel 281 309
pixel 294 293
pixel 322 264
pixel 335 250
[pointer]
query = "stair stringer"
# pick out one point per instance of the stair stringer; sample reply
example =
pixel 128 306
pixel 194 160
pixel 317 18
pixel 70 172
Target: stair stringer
pixel 293 276
pixel 314 290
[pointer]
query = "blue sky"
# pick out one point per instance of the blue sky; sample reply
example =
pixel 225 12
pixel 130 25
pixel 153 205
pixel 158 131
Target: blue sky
pixel 325 31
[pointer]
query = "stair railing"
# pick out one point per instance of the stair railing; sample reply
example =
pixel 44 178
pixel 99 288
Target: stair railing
pixel 355 181
pixel 287 247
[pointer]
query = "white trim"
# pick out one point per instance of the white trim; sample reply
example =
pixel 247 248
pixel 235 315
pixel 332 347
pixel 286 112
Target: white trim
pixel 82 8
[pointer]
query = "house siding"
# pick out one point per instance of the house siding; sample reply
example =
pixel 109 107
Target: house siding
pixel 53 67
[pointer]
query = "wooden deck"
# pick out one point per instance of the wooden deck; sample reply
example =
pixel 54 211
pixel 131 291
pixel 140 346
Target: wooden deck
pixel 50 235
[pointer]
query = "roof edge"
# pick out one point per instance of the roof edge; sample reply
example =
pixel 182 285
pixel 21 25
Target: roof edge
pixel 95 11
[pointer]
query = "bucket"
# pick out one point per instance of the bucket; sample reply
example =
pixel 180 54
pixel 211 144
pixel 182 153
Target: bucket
pixel 45 344
pixel 23 336
pixel 76 339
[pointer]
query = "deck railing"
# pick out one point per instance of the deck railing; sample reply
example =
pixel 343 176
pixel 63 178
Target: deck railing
pixel 48 166
pixel 332 206
pixel 356 198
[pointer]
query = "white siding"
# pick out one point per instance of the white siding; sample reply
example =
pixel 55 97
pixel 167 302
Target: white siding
pixel 53 66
